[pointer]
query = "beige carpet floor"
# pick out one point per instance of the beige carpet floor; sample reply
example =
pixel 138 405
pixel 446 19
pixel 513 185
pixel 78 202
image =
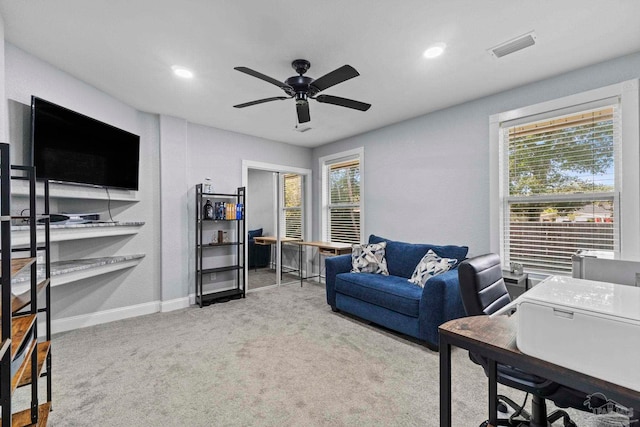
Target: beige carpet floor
pixel 280 357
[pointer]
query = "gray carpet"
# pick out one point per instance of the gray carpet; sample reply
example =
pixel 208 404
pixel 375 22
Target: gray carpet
pixel 263 277
pixel 280 357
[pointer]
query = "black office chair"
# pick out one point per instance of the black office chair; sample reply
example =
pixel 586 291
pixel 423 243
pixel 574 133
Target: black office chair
pixel 483 292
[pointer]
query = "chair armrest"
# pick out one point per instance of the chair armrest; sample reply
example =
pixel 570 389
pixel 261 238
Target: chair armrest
pixel 440 302
pixel 333 266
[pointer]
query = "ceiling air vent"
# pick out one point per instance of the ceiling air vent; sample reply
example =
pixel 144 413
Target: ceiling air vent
pixel 513 45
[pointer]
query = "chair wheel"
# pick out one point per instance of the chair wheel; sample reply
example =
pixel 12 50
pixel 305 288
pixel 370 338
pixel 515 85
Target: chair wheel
pixel 502 408
pixel 484 424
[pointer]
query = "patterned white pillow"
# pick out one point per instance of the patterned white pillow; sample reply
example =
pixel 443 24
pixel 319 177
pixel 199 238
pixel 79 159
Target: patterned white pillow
pixel 369 259
pixel 431 265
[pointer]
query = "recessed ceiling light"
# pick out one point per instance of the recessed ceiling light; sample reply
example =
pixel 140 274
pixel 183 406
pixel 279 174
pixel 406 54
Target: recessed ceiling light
pixel 182 72
pixel 434 50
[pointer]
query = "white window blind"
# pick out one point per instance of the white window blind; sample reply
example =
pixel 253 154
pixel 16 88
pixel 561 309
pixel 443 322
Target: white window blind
pixel 560 188
pixel 344 201
pixel 293 205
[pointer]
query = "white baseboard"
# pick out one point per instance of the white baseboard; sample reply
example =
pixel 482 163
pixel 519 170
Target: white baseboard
pixel 175 304
pixel 91 319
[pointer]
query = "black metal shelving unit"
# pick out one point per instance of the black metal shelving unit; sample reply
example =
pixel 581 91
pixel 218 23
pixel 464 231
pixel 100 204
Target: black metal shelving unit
pixel 5 284
pixel 20 312
pixel 234 248
pixel 27 304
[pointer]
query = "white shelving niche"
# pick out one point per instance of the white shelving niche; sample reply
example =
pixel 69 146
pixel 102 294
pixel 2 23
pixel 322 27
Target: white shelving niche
pixel 94 260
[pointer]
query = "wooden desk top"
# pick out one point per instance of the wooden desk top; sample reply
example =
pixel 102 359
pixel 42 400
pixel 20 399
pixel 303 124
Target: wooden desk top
pixel 329 246
pixel 498 332
pixel 270 240
pixel 495 338
pixel 337 248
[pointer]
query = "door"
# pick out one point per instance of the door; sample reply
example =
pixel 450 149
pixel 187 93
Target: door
pixel 277 201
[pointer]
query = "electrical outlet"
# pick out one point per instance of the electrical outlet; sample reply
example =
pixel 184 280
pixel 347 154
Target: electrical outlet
pixel 212 276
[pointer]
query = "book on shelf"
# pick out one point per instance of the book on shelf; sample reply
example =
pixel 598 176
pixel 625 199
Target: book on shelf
pixel 228 211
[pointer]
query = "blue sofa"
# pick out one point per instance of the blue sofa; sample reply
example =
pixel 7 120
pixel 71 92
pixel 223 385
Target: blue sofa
pixel 392 301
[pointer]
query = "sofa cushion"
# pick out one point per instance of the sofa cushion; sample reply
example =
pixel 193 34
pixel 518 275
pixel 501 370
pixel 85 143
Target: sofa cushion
pixel 369 259
pixel 391 292
pixel 431 265
pixel 402 258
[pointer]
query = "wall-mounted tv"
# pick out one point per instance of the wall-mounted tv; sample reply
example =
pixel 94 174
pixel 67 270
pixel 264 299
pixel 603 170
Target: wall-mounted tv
pixel 72 148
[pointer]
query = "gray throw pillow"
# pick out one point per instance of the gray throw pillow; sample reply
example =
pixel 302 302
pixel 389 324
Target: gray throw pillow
pixel 431 265
pixel 369 259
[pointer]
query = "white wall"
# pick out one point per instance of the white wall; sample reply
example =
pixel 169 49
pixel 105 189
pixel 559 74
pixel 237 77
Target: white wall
pixel 427 179
pixel 135 287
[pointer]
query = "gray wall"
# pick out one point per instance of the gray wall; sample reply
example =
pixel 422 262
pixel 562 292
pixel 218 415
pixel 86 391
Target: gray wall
pixel 217 154
pixel 26 75
pixel 175 155
pixel 436 166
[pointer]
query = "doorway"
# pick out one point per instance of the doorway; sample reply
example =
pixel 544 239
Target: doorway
pixel 277 211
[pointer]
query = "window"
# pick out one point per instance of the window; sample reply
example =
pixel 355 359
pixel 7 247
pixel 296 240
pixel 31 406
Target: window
pixel 342 187
pixel 560 190
pixel 293 205
pixel 560 180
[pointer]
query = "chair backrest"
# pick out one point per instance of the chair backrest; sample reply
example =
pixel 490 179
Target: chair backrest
pixel 481 285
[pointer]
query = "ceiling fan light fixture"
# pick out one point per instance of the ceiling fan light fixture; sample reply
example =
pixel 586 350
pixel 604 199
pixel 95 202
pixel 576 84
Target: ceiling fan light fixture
pixel 182 72
pixel 435 50
pixel 303 88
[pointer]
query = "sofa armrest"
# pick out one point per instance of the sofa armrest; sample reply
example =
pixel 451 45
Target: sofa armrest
pixel 334 266
pixel 440 302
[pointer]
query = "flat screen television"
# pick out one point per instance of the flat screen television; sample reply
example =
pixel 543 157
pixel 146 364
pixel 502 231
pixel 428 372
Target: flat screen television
pixel 72 148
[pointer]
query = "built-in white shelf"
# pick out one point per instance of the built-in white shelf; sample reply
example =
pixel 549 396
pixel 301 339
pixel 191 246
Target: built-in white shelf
pixel 66 191
pixel 71 271
pixel 63 232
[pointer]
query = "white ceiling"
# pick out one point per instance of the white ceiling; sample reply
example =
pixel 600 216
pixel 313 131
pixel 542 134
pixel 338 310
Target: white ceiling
pixel 127 48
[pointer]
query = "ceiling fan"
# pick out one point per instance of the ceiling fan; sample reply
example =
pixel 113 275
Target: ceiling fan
pixel 303 88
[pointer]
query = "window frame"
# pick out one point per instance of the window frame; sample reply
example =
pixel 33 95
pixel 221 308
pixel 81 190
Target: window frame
pixel 325 164
pixel 628 198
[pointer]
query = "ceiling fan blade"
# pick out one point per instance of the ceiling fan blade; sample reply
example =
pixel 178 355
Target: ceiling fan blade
pixel 260 101
pixel 303 112
pixel 343 102
pixel 262 77
pixel 340 75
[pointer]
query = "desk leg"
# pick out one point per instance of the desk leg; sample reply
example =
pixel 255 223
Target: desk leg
pixel 493 393
pixel 445 383
pixel 300 263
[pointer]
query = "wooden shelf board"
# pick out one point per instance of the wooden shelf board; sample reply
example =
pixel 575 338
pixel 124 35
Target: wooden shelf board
pixel 6 345
pixel 18 264
pixel 20 326
pixel 26 363
pixel 43 352
pixel 23 418
pixel 18 302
